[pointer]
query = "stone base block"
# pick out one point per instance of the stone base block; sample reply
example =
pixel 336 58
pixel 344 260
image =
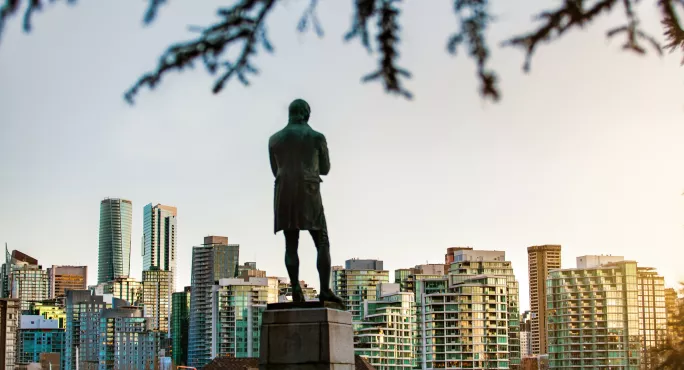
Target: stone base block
pixel 316 338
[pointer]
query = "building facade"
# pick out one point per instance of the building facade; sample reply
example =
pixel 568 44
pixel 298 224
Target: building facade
pixel 63 278
pixel 212 261
pixel 652 312
pixel 672 307
pixel 49 310
pixel 28 283
pixel 180 323
pixel 540 260
pixel 386 333
pixel 38 335
pixel 124 288
pixel 159 239
pixel 463 325
pixel 10 313
pixel 469 263
pixel 83 310
pixel 114 254
pixel 594 317
pixel 237 308
pixel 284 290
pixel 525 335
pixel 128 341
pixel 357 282
pixel 156 297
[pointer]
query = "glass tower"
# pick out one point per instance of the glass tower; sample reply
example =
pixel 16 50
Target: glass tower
pixel 593 317
pixel 114 255
pixel 212 261
pixel 180 322
pixel 159 239
pixel 156 297
pixel 652 312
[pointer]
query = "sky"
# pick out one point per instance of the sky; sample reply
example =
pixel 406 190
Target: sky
pixel 585 151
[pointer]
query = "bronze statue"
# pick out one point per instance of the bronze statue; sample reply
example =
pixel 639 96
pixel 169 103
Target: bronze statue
pixel 299 156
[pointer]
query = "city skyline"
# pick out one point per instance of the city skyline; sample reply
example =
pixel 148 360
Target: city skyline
pixel 585 155
pixel 523 278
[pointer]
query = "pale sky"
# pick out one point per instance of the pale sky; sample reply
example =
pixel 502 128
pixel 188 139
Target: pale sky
pixel 585 152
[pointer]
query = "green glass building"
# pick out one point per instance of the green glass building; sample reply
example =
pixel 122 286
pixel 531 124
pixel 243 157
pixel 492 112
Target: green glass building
pixel 594 317
pixel 237 308
pixel 386 334
pixel 357 282
pixel 180 322
pixel 114 254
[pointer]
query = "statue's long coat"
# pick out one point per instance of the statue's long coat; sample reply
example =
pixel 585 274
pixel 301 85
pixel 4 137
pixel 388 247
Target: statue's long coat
pixel 299 156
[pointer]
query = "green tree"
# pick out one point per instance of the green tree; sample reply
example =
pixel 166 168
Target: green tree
pixel 242 24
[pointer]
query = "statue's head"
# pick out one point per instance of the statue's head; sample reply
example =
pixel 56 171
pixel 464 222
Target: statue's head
pixel 299 111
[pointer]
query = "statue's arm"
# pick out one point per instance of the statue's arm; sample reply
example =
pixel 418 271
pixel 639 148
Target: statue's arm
pixel 323 157
pixel 274 164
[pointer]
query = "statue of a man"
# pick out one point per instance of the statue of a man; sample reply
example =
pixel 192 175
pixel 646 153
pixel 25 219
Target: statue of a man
pixel 299 156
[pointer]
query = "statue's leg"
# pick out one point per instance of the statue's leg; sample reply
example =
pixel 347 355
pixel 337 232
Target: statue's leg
pixel 320 238
pixel 292 263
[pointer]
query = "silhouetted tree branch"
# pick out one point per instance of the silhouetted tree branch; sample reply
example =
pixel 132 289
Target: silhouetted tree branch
pixel 243 25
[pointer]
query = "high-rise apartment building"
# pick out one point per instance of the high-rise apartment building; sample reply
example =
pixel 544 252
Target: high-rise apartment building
pixel 212 261
pixel 63 278
pixel 652 312
pixel 541 259
pixel 128 340
pixel 357 282
pixel 114 255
pixel 156 297
pixel 237 308
pixel 468 264
pixel 28 283
pixel 385 336
pixel 593 317
pixel 159 239
pixel 10 313
pixel 180 323
pixel 13 260
pixel 38 335
pixel 83 310
pixel 463 323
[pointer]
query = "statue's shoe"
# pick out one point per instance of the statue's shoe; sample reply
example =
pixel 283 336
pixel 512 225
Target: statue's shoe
pixel 297 294
pixel 328 296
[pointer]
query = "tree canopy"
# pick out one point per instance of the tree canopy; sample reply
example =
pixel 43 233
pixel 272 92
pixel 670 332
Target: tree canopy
pixel 242 24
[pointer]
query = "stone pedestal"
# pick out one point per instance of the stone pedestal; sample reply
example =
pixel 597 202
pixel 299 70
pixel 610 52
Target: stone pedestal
pixel 306 336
